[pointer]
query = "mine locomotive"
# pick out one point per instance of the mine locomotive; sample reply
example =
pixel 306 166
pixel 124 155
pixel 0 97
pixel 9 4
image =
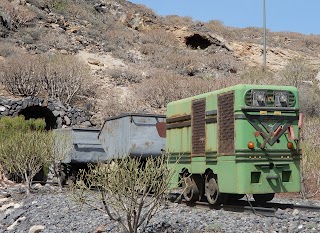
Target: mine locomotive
pixel 222 144
pixel 234 141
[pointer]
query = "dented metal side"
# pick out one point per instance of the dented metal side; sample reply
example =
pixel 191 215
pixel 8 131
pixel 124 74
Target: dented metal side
pixel 86 146
pixel 133 134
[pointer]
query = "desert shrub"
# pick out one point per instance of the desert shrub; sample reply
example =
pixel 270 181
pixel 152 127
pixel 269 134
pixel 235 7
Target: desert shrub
pixel 159 36
pixel 62 76
pixel 58 76
pixel 300 74
pixel 53 39
pixel 19 14
pixel 296 72
pixel 310 160
pixel 223 62
pixel 256 75
pixel 177 20
pixel 124 76
pixel 309 100
pixel 164 87
pixel 131 194
pixel 116 103
pixel 24 147
pixel 215 25
pixel 7 49
pixel 21 75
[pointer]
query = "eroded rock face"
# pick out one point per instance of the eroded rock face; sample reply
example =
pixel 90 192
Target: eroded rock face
pixel 55 113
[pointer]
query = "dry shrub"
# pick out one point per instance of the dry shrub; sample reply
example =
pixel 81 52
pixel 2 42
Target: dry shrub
pixel 165 87
pixel 124 76
pixel 116 103
pixel 296 72
pixel 299 73
pixel 310 157
pixel 130 193
pixel 7 49
pixel 57 76
pixel 20 14
pixel 21 75
pixel 62 76
pixel 54 39
pixel 309 100
pixel 159 36
pixel 177 20
pixel 150 49
pixel 256 75
pixel 224 62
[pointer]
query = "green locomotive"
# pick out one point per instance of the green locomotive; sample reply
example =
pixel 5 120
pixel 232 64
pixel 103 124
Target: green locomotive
pixel 234 141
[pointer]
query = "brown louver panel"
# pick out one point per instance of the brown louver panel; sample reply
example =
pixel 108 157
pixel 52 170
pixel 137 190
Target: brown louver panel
pixel 198 127
pixel 226 123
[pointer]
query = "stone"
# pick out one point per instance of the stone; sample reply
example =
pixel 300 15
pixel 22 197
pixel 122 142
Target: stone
pixel 36 229
pixel 295 212
pixel 6 206
pixel 67 120
pixel 2 108
pixel 56 113
pixel 12 226
pixel 59 122
pixel 86 124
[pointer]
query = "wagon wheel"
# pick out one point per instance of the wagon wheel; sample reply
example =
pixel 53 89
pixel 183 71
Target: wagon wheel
pixel 190 189
pixel 212 190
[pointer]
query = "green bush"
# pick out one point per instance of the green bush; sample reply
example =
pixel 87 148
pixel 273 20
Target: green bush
pixel 25 147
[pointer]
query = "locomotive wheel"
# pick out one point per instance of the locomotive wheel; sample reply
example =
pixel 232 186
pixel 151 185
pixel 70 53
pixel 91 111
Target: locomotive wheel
pixel 263 198
pixel 212 190
pixel 191 192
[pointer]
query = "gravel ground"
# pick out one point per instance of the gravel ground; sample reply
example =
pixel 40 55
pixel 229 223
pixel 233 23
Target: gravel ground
pixel 58 212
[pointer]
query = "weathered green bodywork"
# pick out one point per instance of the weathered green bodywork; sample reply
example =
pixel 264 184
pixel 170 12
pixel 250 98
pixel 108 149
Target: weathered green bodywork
pixel 244 170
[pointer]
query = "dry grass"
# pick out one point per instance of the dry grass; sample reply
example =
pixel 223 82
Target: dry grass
pixel 19 14
pixel 164 87
pixel 310 157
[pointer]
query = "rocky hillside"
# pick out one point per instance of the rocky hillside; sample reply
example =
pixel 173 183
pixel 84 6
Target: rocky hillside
pixel 139 60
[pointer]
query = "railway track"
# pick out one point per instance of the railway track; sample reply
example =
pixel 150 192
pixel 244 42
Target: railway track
pixel 268 210
pixel 245 206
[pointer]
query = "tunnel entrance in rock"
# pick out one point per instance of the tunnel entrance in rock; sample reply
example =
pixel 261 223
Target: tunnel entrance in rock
pixel 40 112
pixel 197 41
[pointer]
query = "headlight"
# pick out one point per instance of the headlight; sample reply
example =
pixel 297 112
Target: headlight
pixel 281 99
pixel 259 98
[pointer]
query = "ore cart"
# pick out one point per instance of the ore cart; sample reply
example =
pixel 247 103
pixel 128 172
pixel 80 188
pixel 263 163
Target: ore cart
pixel 86 149
pixel 133 134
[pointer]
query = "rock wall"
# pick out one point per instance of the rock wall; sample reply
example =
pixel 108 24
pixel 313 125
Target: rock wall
pixel 51 110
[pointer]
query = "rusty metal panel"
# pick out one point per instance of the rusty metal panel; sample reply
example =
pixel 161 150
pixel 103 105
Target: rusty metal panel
pixel 198 127
pixel 226 123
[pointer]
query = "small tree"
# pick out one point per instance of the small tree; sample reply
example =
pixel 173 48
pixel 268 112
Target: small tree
pixel 131 192
pixel 24 147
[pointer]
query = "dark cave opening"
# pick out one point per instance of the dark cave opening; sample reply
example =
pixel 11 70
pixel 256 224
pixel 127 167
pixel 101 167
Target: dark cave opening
pixel 197 41
pixel 40 112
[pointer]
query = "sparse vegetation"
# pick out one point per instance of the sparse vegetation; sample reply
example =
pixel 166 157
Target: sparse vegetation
pixel 58 76
pixel 310 158
pixel 142 193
